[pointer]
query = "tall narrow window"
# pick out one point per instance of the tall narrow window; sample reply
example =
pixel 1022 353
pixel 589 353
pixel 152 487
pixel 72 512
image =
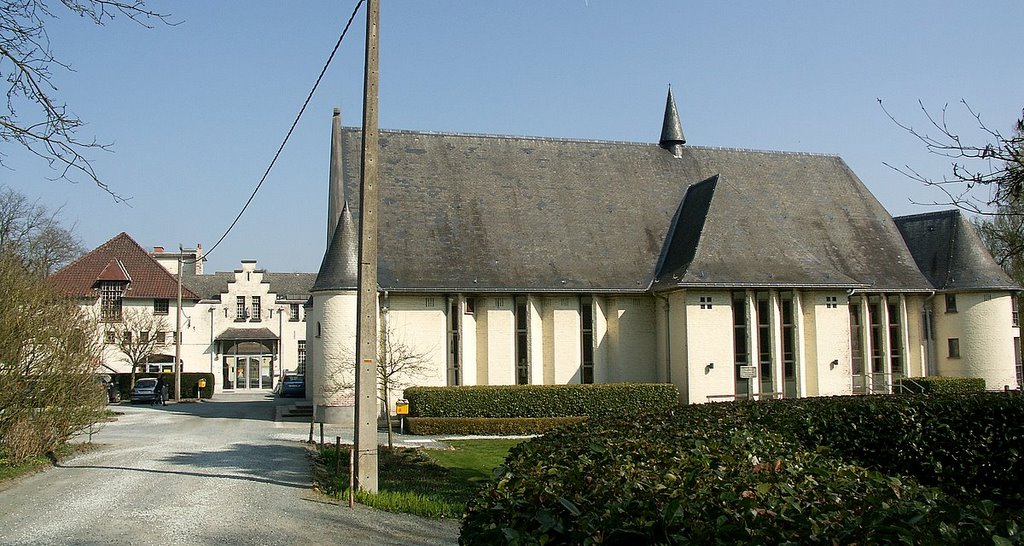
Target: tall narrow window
pixel 857 348
pixel 239 308
pixel 740 340
pixel 293 312
pixel 788 347
pixel 895 341
pixel 954 347
pixel 951 303
pixel 764 342
pixel 256 310
pixel 300 366
pixel 587 339
pixel 877 354
pixel 454 363
pixel 111 299
pixel 522 344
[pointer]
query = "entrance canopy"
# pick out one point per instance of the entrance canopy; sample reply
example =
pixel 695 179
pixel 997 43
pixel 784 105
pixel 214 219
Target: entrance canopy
pixel 247 341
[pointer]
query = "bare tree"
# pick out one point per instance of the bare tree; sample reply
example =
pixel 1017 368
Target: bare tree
pixel 136 336
pixel 35 117
pixel 399 365
pixel 48 355
pixel 995 164
pixel 34 234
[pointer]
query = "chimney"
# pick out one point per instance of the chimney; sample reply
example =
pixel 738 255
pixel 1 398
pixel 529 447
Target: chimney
pixel 158 250
pixel 672 138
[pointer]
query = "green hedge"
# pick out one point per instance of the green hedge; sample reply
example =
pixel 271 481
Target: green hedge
pixel 487 425
pixel 512 401
pixel 189 382
pixel 950 385
pixel 841 470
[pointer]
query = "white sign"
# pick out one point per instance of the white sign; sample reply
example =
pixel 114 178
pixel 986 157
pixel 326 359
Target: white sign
pixel 748 372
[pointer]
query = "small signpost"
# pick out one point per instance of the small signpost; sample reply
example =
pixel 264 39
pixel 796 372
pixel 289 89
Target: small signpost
pixel 748 372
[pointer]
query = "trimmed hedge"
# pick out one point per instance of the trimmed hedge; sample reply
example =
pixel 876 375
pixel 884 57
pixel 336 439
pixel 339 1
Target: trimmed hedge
pixel 513 401
pixel 189 383
pixel 950 385
pixel 841 470
pixel 482 425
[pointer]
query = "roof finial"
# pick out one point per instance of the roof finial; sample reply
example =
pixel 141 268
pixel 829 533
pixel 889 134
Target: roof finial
pixel 672 138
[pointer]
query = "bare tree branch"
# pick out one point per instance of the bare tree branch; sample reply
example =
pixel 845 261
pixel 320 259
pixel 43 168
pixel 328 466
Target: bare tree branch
pixel 34 117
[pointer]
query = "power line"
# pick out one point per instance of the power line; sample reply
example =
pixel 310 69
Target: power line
pixel 290 130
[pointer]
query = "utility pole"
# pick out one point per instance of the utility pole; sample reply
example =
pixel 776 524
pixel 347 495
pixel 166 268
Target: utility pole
pixel 177 333
pixel 366 310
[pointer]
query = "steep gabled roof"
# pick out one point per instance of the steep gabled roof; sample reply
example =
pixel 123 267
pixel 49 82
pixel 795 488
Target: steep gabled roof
pixel 119 259
pixel 950 253
pixel 497 213
pixel 289 286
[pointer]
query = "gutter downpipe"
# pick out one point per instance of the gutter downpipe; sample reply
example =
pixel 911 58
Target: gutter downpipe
pixel 668 338
pixel 213 342
pixel 929 345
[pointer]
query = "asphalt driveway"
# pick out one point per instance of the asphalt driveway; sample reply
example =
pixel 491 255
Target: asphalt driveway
pixel 219 472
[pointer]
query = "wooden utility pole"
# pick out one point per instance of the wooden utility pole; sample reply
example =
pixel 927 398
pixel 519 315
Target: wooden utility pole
pixel 366 310
pixel 177 331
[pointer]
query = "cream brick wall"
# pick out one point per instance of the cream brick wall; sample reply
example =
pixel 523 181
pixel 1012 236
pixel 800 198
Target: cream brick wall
pixel 632 336
pixel 419 323
pixel 562 339
pixel 678 326
pixel 333 385
pixel 984 326
pixel 827 340
pixel 709 333
pixel 499 333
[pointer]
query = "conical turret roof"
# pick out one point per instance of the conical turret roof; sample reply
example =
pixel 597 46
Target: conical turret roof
pixel 671 128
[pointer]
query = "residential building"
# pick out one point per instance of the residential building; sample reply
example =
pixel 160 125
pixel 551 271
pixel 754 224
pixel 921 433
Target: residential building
pixel 246 327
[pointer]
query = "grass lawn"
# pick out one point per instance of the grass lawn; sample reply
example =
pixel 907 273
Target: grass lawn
pixel 9 470
pixel 426 482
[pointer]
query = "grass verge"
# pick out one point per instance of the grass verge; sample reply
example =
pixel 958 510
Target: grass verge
pixel 424 482
pixel 10 470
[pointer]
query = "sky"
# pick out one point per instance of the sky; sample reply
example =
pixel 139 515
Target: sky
pixel 195 111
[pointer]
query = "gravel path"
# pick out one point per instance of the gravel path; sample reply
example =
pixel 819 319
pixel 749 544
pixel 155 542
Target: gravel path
pixel 219 472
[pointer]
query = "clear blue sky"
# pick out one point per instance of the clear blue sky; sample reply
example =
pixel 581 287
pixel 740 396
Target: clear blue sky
pixel 195 111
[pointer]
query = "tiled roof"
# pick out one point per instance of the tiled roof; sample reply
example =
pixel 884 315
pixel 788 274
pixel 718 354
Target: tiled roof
pixel 288 286
pixel 120 258
pixel 950 253
pixel 499 213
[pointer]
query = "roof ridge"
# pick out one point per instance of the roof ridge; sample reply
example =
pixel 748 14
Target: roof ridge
pixel 592 141
pixel 929 213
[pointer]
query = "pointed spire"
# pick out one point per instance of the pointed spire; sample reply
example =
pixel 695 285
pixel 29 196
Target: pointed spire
pixel 672 138
pixel 336 186
pixel 339 268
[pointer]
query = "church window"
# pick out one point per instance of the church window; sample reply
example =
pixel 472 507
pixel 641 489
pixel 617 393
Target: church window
pixel 954 347
pixel 951 303
pixel 587 336
pixel 522 343
pixel 454 349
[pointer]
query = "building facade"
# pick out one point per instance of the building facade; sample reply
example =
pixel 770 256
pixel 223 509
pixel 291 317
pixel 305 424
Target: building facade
pixel 246 327
pixel 729 273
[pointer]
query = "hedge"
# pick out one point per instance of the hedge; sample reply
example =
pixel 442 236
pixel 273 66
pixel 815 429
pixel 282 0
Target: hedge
pixel 950 385
pixel 189 382
pixel 512 401
pixel 482 425
pixel 842 470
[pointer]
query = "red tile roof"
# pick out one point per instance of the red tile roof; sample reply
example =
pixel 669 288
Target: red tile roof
pixel 120 258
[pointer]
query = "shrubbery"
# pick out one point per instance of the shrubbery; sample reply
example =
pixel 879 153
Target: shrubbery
pixel 950 385
pixel 189 382
pixel 840 470
pixel 491 425
pixel 514 401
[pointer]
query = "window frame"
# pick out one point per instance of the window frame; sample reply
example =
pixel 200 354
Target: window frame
pixel 161 306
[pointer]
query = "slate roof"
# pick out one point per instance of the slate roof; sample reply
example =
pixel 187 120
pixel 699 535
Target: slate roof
pixel 246 334
pixel 950 253
pixel 117 259
pixel 288 286
pixel 479 213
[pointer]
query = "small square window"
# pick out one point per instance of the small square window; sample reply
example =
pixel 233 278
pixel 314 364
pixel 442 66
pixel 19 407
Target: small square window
pixel 428 302
pixel 705 302
pixel 954 347
pixel 161 307
pixel 127 337
pixel 831 302
pixel 111 336
pixel 951 303
pixel 470 306
pixel 143 337
pixel 161 338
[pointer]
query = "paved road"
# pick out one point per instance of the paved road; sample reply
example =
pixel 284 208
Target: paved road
pixel 220 472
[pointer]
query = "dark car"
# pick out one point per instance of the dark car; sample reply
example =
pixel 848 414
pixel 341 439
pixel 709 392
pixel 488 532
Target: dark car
pixel 293 385
pixel 145 391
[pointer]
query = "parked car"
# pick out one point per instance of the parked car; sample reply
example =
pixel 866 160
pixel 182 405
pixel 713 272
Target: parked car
pixel 293 385
pixel 145 391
